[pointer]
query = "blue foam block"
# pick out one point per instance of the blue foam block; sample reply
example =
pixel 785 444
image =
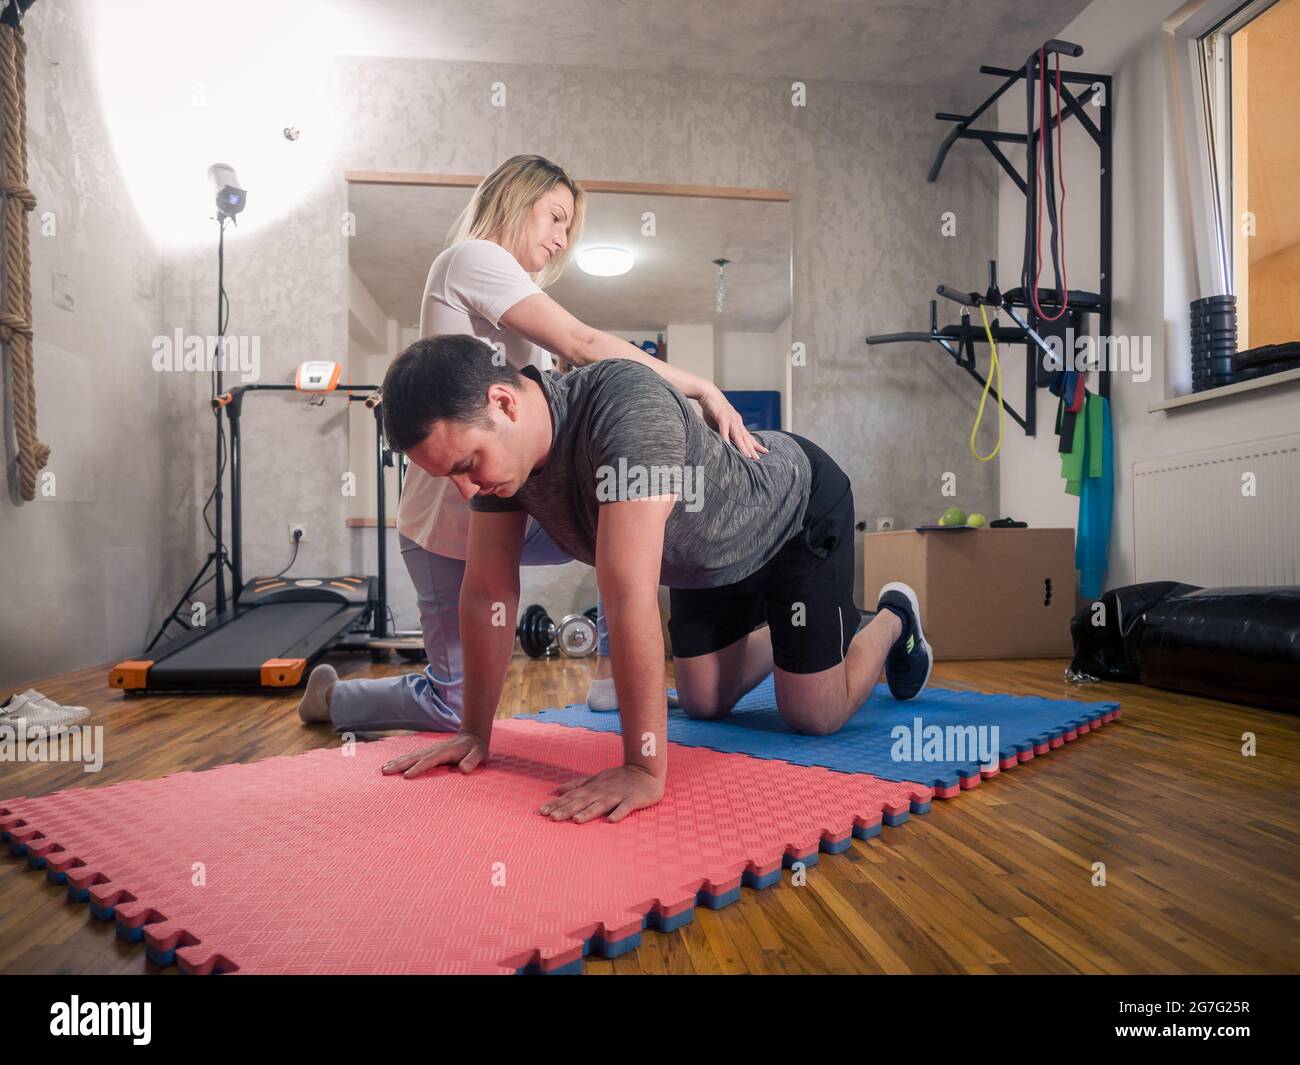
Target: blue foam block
pixel 868 743
pixel 131 935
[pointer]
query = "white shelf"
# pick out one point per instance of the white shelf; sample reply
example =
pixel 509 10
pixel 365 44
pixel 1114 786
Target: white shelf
pixel 1226 390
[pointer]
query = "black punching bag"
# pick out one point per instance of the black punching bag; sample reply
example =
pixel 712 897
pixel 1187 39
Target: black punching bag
pixel 1106 632
pixel 1238 644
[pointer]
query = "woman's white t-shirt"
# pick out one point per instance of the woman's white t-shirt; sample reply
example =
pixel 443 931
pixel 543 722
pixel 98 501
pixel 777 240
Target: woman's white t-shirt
pixel 470 286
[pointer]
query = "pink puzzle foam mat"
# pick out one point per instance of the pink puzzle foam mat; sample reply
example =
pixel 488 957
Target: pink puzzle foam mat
pixel 317 863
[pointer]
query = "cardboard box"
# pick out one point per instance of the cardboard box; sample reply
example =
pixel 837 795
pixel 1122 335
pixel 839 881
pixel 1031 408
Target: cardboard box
pixel 984 593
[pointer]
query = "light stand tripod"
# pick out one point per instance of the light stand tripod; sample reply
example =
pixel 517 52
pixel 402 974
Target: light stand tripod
pixel 218 559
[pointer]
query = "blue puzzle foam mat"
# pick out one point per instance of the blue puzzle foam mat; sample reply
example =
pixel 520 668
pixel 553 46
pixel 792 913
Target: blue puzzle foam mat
pixel 1026 726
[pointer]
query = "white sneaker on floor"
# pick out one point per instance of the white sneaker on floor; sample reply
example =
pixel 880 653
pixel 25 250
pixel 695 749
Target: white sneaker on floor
pixel 16 703
pixel 31 709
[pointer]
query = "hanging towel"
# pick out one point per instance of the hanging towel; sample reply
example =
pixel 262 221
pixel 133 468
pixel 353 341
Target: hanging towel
pixel 1096 499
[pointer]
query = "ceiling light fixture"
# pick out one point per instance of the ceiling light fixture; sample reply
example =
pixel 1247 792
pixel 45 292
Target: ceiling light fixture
pixel 605 262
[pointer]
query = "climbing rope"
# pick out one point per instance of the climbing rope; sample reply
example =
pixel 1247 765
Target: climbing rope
pixel 16 200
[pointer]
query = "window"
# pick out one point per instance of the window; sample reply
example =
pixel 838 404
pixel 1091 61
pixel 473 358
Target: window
pixel 1249 72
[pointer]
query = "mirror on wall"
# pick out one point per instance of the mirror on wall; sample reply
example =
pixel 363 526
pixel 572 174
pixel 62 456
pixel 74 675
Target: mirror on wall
pixel 728 322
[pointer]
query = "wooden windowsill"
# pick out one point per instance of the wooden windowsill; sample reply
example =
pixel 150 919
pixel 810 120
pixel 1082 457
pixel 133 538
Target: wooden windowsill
pixel 1226 390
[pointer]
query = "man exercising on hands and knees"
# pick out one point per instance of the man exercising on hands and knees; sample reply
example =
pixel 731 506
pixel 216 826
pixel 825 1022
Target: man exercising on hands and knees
pixel 620 471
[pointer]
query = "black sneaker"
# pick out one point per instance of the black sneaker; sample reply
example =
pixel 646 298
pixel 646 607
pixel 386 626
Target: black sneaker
pixel 908 664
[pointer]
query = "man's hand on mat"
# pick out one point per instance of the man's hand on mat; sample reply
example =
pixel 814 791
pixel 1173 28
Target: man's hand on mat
pixel 464 750
pixel 728 423
pixel 614 794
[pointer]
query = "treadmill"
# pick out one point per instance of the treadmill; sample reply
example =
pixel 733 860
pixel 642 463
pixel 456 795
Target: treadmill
pixel 276 627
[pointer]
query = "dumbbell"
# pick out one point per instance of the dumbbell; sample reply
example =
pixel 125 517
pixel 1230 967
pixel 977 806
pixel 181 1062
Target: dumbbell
pixel 575 635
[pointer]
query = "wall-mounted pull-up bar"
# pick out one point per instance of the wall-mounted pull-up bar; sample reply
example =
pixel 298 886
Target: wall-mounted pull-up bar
pixel 1047 313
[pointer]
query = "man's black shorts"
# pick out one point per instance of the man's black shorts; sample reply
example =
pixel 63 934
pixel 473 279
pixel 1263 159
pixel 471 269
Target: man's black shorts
pixel 804 593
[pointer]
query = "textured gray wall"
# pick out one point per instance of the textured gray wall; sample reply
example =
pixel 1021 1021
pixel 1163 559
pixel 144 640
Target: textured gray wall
pixel 80 580
pixel 87 574
pixel 867 251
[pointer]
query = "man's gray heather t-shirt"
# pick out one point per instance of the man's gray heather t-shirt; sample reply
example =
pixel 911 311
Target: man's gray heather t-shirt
pixel 620 431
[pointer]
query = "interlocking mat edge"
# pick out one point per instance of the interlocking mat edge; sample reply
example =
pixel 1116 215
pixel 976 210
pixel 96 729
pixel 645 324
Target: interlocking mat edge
pixel 1027 727
pixel 251 867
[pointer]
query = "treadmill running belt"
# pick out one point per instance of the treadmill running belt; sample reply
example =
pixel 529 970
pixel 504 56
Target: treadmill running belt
pixel 234 653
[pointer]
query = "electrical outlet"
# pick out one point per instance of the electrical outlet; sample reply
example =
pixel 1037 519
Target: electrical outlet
pixel 884 525
pixel 298 528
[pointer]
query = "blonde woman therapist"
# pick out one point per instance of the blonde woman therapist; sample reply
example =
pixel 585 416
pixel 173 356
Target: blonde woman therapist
pixel 511 242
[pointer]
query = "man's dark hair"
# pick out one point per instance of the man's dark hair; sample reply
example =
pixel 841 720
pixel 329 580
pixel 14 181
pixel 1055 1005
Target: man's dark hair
pixel 440 378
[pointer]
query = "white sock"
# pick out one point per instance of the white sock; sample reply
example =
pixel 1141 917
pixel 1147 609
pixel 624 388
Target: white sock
pixel 315 704
pixel 601 695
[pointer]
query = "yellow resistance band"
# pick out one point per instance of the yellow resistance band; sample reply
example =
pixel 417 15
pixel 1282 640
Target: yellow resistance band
pixel 995 366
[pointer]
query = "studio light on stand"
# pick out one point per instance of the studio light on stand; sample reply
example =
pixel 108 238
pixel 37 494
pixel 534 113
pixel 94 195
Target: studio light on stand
pixel 225 185
pixel 230 200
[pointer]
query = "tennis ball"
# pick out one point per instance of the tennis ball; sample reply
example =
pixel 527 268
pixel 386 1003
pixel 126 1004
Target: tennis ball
pixel 977 521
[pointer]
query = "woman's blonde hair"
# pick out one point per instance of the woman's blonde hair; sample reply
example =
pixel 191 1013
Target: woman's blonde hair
pixel 500 206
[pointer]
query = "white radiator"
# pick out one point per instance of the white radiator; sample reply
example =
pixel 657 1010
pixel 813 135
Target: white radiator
pixel 1193 523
